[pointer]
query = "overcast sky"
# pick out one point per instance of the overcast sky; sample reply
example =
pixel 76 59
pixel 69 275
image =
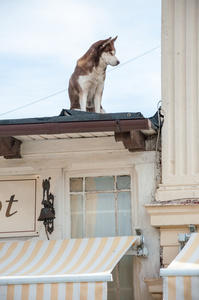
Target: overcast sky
pixel 41 40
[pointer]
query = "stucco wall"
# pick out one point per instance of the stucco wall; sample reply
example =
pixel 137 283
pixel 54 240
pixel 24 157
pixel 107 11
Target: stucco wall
pixel 60 158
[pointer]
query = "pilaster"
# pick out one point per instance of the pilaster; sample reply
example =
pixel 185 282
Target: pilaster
pixel 180 135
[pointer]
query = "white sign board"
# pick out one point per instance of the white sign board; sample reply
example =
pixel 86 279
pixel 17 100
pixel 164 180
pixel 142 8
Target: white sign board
pixel 18 205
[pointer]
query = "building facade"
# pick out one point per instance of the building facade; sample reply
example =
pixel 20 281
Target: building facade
pixel 99 187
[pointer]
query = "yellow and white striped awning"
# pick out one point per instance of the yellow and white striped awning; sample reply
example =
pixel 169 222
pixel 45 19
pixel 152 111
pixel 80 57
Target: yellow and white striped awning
pixel 60 269
pixel 181 278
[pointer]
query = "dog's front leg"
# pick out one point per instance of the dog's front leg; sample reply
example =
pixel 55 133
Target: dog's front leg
pixel 97 103
pixel 83 101
pixel 98 98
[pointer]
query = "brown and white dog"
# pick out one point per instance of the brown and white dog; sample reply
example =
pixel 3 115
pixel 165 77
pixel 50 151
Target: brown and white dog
pixel 87 82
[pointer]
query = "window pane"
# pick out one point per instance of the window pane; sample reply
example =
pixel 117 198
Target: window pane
pixel 99 184
pixel 124 213
pixel 76 216
pixel 125 277
pixel 123 182
pixel 123 271
pixel 112 285
pixel 100 215
pixel 76 184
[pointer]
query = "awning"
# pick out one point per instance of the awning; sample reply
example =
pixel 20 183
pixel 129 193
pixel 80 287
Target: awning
pixel 181 278
pixel 60 269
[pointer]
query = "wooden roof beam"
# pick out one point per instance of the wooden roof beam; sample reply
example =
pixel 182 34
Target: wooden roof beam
pixel 10 147
pixel 132 140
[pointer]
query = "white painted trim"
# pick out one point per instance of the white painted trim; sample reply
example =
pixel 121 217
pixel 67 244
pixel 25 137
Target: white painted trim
pixel 181 272
pixel 94 277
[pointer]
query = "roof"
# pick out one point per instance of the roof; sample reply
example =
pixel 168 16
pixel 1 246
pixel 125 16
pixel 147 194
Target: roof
pixel 67 115
pixel 130 128
pixel 71 121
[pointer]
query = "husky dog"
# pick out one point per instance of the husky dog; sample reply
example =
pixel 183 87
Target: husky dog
pixel 87 82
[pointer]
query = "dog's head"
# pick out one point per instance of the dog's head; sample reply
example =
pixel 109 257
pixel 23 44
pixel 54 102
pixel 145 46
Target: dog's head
pixel 103 49
pixel 107 49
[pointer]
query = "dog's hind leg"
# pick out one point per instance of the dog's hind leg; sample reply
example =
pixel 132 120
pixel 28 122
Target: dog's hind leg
pixel 74 97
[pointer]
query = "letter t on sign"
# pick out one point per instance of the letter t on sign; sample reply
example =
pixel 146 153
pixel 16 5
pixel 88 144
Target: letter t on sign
pixel 9 206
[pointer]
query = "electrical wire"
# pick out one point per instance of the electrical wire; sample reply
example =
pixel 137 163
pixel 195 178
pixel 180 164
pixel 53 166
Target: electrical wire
pixel 158 147
pixel 128 61
pixel 159 124
pixel 42 99
pixel 50 96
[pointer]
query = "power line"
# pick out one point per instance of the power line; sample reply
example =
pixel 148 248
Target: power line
pixel 33 102
pixel 50 96
pixel 128 61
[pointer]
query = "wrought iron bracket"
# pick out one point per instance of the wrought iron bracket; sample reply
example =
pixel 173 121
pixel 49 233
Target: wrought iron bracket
pixel 47 214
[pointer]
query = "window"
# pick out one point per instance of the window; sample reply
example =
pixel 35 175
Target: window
pixel 100 207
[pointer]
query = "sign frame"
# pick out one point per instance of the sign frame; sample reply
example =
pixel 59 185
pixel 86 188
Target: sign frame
pixel 20 204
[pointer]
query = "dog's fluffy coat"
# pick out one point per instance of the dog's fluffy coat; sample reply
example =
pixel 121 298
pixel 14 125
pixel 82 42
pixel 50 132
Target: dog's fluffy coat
pixel 87 82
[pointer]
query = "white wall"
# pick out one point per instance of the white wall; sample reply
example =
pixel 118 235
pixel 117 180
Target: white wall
pixel 56 158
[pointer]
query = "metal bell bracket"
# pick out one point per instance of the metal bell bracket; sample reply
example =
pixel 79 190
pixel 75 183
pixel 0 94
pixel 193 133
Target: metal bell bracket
pixel 47 214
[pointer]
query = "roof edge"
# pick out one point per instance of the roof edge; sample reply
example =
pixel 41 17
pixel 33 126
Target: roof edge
pixel 117 125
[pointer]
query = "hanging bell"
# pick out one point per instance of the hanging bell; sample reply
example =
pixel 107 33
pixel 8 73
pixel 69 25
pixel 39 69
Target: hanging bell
pixel 46 214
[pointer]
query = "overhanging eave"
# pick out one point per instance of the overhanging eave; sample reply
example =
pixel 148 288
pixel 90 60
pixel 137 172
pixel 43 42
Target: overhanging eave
pixel 73 127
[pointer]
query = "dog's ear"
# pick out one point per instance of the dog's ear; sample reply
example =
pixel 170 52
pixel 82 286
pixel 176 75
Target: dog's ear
pixel 113 40
pixel 105 43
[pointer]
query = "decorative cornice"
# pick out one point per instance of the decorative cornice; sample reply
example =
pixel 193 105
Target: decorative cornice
pixel 174 192
pixel 172 214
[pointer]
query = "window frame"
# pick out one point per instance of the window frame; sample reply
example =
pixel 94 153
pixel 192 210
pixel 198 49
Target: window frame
pixel 97 173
